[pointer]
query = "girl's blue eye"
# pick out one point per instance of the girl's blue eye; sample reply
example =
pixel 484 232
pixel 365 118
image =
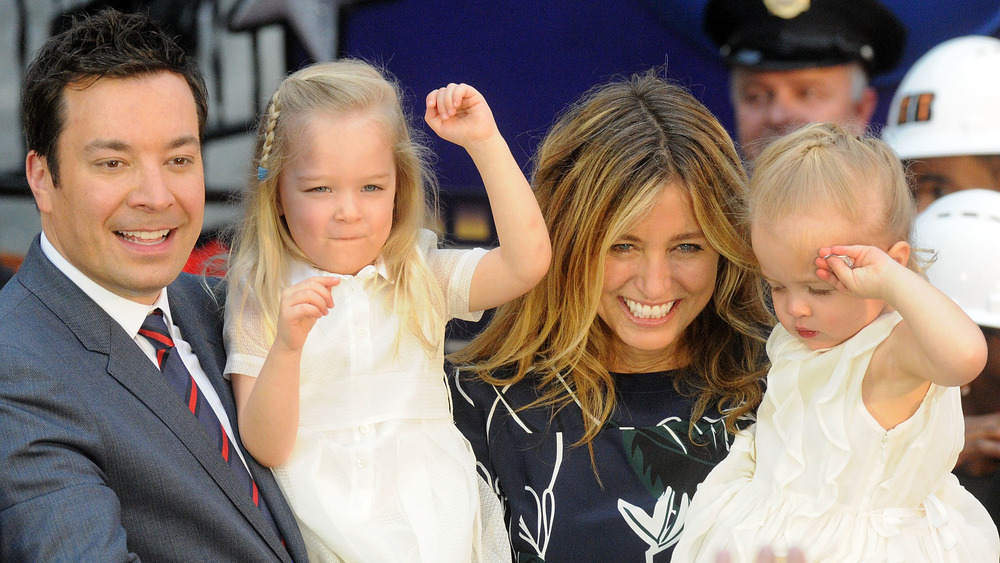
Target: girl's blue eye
pixel 319 189
pixel 370 188
pixel 622 247
pixel 689 247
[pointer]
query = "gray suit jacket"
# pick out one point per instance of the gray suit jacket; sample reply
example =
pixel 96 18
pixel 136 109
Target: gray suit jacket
pixel 99 459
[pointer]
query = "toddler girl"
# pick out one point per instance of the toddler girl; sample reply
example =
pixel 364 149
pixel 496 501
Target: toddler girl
pixel 861 423
pixel 347 402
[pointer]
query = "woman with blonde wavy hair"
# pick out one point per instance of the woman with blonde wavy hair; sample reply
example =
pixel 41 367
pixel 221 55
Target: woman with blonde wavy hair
pixel 600 399
pixel 335 321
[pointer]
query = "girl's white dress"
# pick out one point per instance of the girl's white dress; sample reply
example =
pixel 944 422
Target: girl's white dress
pixel 818 471
pixel 379 472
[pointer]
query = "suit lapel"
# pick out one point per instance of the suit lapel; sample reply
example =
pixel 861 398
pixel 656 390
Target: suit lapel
pixel 194 322
pixel 204 333
pixel 127 364
pixel 207 345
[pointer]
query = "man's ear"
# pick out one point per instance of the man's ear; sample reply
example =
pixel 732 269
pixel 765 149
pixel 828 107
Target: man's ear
pixel 900 252
pixel 864 109
pixel 36 168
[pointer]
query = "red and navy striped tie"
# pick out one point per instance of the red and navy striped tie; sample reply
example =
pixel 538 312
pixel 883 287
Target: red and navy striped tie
pixel 155 330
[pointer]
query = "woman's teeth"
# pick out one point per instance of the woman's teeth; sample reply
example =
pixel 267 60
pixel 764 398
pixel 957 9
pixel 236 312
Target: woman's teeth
pixel 646 311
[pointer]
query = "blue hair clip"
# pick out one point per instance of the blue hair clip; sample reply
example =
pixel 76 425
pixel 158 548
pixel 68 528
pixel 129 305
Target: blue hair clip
pixel 261 173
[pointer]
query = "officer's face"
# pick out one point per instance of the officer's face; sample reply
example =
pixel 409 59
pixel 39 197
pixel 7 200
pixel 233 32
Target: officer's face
pixel 769 104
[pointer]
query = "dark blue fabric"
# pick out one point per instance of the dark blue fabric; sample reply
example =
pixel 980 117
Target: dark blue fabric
pixel 556 508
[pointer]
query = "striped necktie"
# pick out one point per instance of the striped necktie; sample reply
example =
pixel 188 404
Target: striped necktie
pixel 154 329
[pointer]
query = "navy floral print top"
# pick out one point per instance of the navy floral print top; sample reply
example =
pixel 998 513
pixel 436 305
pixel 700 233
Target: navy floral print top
pixel 556 510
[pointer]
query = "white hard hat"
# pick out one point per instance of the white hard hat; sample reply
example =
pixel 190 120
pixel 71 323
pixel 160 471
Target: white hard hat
pixel 963 228
pixel 948 104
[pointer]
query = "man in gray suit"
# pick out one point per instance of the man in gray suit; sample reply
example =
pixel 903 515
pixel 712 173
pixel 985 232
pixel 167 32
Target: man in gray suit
pixel 102 456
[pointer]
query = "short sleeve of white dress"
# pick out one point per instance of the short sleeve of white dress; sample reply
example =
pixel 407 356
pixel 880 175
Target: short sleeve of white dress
pixel 245 335
pixel 453 269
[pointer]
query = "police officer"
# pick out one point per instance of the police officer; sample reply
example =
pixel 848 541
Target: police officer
pixel 944 120
pixel 794 62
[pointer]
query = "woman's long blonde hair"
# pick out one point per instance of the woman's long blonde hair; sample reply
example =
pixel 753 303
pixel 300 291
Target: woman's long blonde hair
pixel 263 245
pixel 598 171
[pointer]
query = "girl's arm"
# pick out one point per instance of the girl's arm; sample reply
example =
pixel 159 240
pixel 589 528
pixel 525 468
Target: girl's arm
pixel 936 341
pixel 458 113
pixel 268 405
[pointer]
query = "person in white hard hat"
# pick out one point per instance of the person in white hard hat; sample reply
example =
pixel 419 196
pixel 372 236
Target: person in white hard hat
pixel 944 120
pixel 963 229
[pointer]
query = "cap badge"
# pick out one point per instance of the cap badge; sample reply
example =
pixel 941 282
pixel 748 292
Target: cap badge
pixel 786 9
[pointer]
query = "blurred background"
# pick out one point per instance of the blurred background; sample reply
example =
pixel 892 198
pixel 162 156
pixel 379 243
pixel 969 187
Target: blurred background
pixel 529 58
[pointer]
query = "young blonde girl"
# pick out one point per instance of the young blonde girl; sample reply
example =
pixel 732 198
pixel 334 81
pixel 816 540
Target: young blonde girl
pixel 335 319
pixel 861 423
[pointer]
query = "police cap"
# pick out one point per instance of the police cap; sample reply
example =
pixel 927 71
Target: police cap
pixel 792 34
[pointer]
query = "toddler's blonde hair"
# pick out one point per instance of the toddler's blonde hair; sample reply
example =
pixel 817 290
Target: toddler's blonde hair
pixel 823 167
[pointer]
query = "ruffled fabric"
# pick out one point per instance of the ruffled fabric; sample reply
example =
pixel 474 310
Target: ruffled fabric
pixel 868 495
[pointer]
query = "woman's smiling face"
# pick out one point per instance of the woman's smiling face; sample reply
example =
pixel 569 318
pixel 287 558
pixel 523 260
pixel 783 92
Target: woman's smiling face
pixel 657 278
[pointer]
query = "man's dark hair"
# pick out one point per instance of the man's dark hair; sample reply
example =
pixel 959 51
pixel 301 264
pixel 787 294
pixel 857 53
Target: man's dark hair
pixel 110 44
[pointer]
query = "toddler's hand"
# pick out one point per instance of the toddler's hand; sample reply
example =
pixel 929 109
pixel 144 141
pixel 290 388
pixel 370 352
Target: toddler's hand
pixel 301 305
pixel 860 274
pixel 458 113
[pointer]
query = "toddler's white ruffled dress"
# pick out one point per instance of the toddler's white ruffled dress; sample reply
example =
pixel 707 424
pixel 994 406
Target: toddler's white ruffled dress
pixel 818 471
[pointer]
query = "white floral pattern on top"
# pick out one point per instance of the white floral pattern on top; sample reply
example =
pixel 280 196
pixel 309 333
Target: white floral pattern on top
pixel 555 508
